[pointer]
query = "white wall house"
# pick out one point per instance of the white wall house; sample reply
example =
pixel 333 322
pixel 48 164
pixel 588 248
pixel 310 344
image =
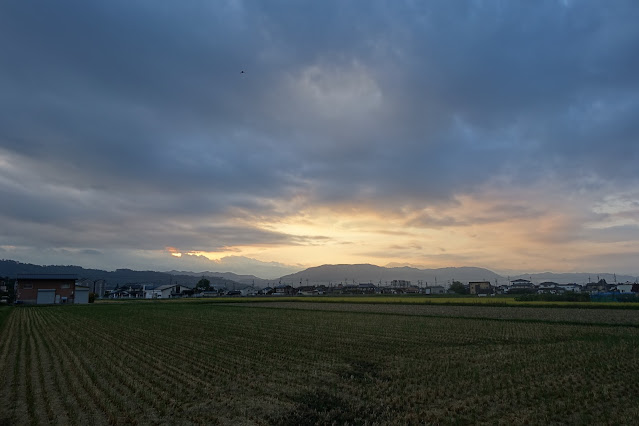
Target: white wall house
pixel 624 288
pixel 570 287
pixel 160 292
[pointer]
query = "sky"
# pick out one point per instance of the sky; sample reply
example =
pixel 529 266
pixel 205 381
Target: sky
pixel 498 134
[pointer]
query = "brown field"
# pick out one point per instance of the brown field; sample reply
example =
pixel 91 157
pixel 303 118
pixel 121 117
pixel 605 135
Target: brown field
pixel 554 314
pixel 204 363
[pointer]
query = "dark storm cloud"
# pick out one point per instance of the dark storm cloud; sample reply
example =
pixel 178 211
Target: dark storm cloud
pixel 140 110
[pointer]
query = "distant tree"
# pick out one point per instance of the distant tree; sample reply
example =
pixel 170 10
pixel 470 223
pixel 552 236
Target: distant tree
pixel 458 287
pixel 203 284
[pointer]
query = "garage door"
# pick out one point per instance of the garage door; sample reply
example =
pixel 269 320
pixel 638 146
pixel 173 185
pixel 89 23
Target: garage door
pixel 46 297
pixel 81 295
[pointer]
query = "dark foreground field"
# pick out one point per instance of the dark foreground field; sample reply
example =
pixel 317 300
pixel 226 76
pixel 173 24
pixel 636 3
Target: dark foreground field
pixel 182 363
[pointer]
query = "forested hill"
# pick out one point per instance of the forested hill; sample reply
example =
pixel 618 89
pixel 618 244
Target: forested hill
pixel 373 273
pixel 11 268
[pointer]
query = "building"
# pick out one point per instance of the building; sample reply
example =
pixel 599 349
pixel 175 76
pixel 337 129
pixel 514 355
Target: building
pixel 624 288
pixel 434 289
pixel 521 286
pixel 480 287
pixel 599 287
pixel 548 287
pixel 566 288
pixel 284 290
pixel 162 292
pixel 367 288
pixel 46 289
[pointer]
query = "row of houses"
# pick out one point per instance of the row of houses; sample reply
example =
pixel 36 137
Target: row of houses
pixel 53 289
pixel 170 291
pixel 65 289
pixel 520 286
pixel 405 287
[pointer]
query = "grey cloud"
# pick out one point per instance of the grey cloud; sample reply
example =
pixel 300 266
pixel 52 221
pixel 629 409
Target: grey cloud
pixel 92 252
pixel 140 108
pixel 486 215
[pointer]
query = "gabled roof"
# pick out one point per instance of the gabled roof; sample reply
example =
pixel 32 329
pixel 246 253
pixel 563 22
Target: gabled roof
pixel 164 287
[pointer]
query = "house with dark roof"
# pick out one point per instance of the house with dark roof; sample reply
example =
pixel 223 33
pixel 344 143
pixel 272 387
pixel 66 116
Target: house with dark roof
pixel 367 288
pixel 548 287
pixel 521 286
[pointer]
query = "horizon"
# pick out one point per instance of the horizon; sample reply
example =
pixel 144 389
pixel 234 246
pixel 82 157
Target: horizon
pixel 264 139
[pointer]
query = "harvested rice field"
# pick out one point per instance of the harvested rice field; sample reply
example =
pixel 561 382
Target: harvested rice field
pixel 527 313
pixel 205 363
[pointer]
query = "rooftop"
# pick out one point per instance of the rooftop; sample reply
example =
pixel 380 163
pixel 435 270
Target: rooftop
pixel 47 277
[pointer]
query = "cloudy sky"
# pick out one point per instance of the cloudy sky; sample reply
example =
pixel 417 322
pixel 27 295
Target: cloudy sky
pixel 499 134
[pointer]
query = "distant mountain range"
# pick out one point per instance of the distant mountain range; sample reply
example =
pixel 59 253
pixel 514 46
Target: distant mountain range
pixel 242 279
pixel 336 274
pixel 325 274
pixel 10 268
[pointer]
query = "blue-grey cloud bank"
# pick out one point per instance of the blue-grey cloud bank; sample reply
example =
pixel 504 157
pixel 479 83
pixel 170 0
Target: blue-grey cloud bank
pixel 297 133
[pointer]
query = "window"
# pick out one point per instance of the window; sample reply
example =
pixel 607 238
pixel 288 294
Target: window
pixel 28 286
pixel 66 286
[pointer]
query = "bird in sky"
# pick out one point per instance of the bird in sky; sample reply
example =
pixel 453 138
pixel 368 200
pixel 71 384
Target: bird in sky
pixel 242 72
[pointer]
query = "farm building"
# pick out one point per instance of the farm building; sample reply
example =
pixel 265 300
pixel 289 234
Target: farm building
pixel 43 289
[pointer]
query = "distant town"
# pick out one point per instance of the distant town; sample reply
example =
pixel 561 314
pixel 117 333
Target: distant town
pixel 478 288
pixel 68 288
